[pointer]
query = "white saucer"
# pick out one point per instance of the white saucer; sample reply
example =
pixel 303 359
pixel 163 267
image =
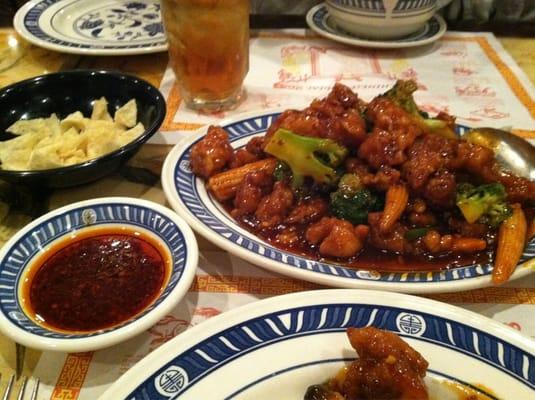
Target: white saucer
pixel 96 27
pixel 319 20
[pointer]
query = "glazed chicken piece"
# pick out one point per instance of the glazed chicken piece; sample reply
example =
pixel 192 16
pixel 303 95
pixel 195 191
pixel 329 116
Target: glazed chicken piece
pixel 250 192
pixel 480 161
pixel 337 117
pixel 392 240
pixel 428 169
pixel 274 207
pixel 387 368
pixel 395 240
pixel 253 151
pixel 381 180
pixel 336 237
pixel 308 211
pixel 393 133
pixel 212 154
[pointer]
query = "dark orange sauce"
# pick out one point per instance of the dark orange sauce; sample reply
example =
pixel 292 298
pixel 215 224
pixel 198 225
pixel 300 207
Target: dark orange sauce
pixel 373 259
pixel 370 258
pixel 96 279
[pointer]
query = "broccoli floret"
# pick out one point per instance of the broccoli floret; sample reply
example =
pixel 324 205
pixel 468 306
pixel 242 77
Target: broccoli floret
pixel 282 172
pixel 401 94
pixel 485 203
pixel 352 201
pixel 306 156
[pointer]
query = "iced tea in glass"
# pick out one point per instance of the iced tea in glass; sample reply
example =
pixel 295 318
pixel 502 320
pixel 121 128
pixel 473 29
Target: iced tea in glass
pixel 208 50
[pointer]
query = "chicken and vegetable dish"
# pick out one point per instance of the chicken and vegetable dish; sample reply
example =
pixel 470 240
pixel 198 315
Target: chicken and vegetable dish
pixel 387 368
pixel 379 186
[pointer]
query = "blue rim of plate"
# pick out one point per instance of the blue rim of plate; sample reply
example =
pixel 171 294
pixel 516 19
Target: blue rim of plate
pixel 197 361
pixel 197 211
pixel 20 254
pixel 27 23
pixel 321 22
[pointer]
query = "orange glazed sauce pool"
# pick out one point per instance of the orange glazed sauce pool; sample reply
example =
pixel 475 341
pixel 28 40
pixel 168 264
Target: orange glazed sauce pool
pixel 95 279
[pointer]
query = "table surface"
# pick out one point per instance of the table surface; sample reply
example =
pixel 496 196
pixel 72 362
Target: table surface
pixel 20 60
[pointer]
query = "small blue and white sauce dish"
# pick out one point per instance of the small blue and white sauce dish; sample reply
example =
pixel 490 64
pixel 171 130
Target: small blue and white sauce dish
pixel 94 273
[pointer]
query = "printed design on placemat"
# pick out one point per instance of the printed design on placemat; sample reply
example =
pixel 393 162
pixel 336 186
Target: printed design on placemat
pixel 304 64
pixel 127 21
pixel 34 241
pixel 279 286
pixel 72 376
pixel 505 71
pixel 295 71
pixel 202 359
pixel 249 284
pixel 170 326
pixel 188 189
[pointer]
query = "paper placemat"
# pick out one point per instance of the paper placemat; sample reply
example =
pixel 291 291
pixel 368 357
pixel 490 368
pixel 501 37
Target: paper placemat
pixel 468 75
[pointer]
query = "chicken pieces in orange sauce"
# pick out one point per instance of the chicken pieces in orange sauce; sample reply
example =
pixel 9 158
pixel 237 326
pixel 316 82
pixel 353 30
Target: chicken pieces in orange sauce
pixel 378 186
pixel 387 368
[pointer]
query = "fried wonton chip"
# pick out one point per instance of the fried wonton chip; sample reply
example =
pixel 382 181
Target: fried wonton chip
pixel 100 136
pixel 50 125
pixel 46 155
pixel 77 157
pixel 15 153
pixel 127 114
pixel 74 120
pixel 100 110
pixel 130 135
pixel 72 144
pixel 45 143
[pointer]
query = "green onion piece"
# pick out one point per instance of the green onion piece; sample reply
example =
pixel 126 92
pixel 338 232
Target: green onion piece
pixel 416 233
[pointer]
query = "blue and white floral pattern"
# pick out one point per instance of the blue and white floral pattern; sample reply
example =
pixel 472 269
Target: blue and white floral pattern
pixel 126 21
pixel 99 27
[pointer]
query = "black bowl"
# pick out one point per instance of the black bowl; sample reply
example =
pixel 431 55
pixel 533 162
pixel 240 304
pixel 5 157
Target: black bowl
pixel 65 92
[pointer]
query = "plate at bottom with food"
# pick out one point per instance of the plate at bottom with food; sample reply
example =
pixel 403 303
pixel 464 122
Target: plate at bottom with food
pixel 329 345
pixel 351 194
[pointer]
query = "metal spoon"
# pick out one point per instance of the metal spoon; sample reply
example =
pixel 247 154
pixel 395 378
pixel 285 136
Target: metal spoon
pixel 512 152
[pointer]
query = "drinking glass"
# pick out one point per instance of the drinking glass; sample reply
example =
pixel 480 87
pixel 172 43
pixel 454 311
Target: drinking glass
pixel 208 50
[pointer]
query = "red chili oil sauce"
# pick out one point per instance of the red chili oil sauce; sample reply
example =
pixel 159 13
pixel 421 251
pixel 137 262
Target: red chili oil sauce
pixel 96 279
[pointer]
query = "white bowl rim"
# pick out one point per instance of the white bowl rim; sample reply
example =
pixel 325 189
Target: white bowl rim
pixel 123 332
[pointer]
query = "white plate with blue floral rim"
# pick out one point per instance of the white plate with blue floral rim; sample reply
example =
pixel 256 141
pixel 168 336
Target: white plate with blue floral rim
pixel 276 348
pixel 17 255
pixel 319 20
pixel 188 196
pixel 96 27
